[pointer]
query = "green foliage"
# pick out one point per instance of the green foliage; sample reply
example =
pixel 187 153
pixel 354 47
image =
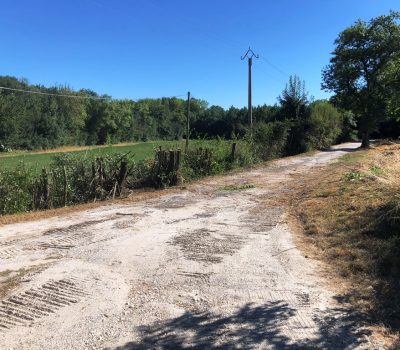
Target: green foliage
pixel 354 176
pixel 270 139
pixel 391 81
pixel 349 127
pixel 238 187
pixel 297 138
pixel 35 121
pixel 359 72
pixel 324 125
pixel 294 99
pixel 4 149
pixel 376 170
pixel 245 155
pixel 201 162
pixel 15 190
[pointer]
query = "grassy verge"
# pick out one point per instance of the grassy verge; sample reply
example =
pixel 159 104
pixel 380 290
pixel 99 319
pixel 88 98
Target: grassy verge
pixel 350 215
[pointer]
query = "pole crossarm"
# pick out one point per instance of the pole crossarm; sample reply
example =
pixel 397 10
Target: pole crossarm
pixel 249 54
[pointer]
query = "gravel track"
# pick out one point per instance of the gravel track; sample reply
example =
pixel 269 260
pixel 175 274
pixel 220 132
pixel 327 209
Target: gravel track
pixel 201 267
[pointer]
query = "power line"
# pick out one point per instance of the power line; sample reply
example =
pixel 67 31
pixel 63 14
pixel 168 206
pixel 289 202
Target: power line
pixel 52 94
pixel 268 74
pixel 68 96
pixel 274 66
pixel 181 95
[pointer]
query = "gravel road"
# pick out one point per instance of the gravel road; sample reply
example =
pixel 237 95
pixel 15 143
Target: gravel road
pixel 202 267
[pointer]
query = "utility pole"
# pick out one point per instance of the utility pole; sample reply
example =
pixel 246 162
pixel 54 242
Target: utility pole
pixel 250 54
pixel 187 123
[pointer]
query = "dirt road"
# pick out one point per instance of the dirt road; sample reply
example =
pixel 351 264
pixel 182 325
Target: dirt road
pixel 206 266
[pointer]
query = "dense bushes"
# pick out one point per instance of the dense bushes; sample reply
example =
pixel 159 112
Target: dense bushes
pixel 69 180
pixel 16 190
pixel 270 139
pixel 325 123
pixel 72 179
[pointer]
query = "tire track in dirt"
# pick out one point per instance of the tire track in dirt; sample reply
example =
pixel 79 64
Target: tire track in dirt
pixel 21 309
pixel 59 239
pixel 207 246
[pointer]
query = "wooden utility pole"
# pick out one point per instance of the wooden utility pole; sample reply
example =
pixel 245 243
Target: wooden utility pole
pixel 249 97
pixel 187 123
pixel 250 54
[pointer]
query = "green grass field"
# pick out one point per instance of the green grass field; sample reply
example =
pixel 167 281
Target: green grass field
pixel 38 160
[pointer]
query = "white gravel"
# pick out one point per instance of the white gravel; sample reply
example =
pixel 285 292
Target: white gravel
pixel 201 267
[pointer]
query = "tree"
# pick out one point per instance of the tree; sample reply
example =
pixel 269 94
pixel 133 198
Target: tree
pixel 391 81
pixel 361 57
pixel 294 99
pixel 294 103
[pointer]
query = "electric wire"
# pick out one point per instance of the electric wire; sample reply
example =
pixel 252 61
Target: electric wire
pixel 67 95
pixel 53 94
pixel 256 67
pixel 274 66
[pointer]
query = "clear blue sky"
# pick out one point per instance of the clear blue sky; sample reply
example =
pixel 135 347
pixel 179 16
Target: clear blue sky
pixel 153 48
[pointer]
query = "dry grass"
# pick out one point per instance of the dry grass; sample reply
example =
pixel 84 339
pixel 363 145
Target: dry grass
pixel 349 215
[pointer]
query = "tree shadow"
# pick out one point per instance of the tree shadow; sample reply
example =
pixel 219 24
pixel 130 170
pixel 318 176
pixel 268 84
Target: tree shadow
pixel 341 149
pixel 251 327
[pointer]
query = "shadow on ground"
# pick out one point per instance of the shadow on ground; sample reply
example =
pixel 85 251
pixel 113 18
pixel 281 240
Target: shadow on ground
pixel 341 149
pixel 251 327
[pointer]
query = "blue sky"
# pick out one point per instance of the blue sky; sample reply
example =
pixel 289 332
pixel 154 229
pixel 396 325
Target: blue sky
pixel 153 48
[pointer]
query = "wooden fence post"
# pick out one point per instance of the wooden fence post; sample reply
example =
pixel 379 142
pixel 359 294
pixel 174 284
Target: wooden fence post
pixel 123 171
pixel 233 152
pixel 101 172
pixel 46 188
pixel 65 186
pixel 171 161
pixel 178 159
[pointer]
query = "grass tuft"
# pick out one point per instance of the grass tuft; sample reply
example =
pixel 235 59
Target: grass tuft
pixel 238 187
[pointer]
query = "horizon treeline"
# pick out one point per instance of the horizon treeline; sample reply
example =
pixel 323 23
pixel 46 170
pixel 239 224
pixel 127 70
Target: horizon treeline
pixel 36 121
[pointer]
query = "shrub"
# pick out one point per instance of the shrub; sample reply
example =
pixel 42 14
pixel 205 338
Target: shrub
pixel 270 139
pixel 324 125
pixel 244 156
pixel 200 162
pixel 16 190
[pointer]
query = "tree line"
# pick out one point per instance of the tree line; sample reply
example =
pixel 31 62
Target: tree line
pixel 37 121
